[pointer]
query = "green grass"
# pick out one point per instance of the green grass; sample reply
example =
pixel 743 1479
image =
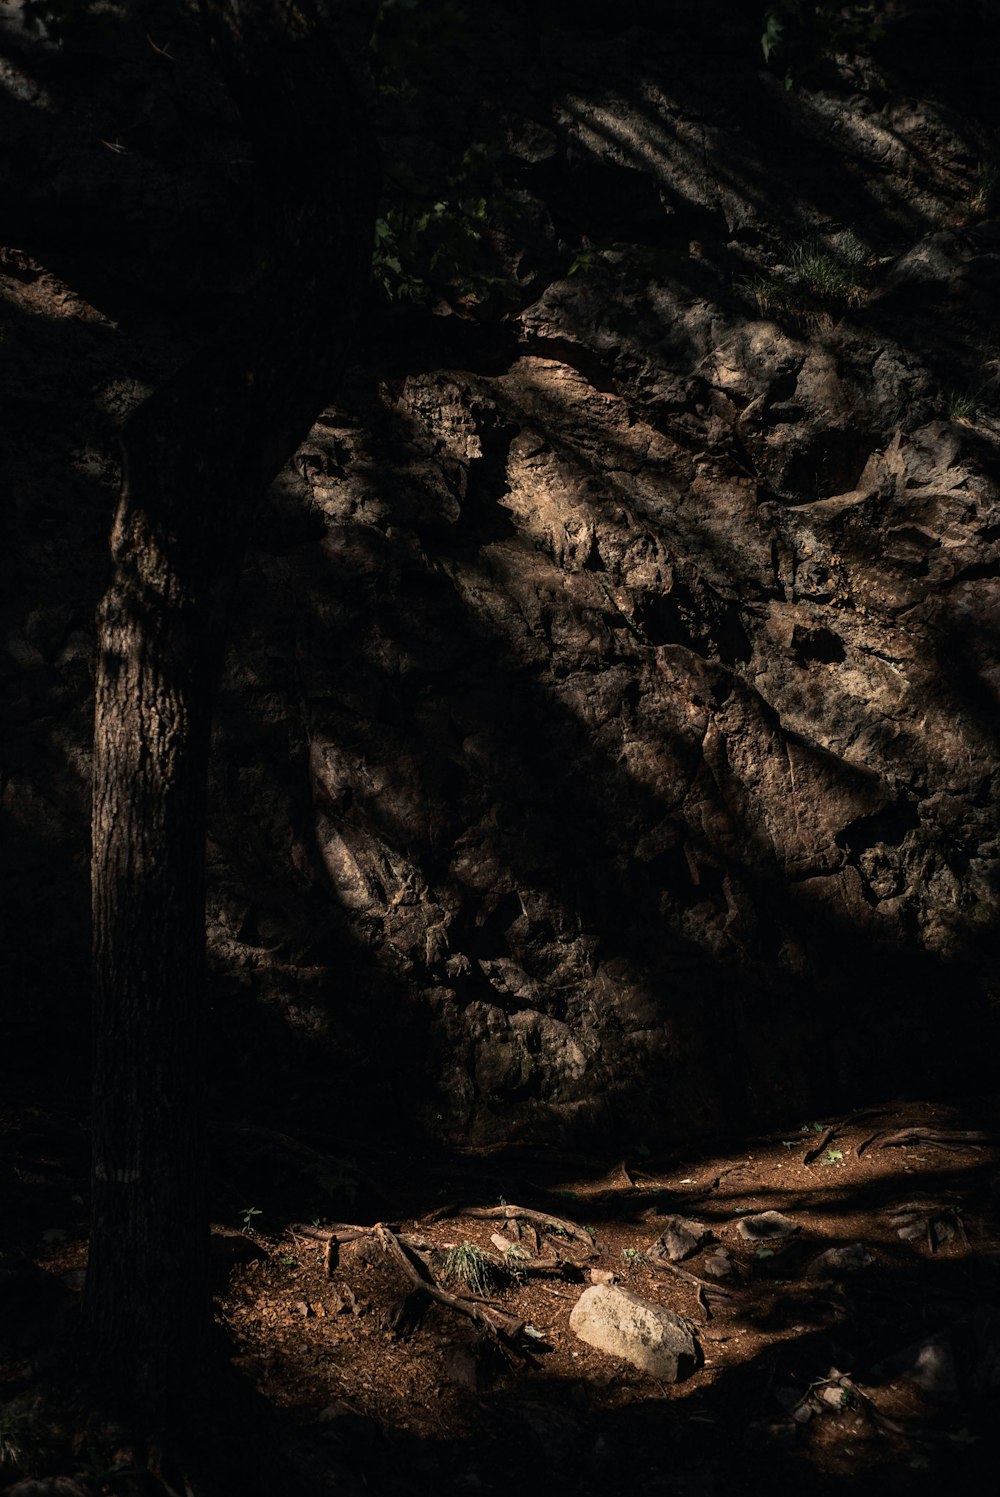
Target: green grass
pixel 469 1266
pixel 986 198
pixel 18 1434
pixel 816 277
pixel 962 406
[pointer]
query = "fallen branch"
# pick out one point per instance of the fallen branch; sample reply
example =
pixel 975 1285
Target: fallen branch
pixel 664 1265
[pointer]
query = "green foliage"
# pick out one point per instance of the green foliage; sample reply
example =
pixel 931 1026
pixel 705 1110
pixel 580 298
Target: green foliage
pixel 800 33
pixel 816 278
pixel 633 1258
pixel 19 1434
pixel 986 198
pixel 468 1265
pixel 433 236
pixel 423 247
pixel 963 406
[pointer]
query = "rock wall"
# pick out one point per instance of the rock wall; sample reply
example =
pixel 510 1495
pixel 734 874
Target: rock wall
pixel 609 735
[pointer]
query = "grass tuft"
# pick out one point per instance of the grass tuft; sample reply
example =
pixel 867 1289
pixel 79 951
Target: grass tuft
pixel 468 1265
pixel 18 1434
pixel 816 277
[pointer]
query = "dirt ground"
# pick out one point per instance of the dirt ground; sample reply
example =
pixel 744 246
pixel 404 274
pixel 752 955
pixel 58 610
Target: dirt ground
pixel 878 1364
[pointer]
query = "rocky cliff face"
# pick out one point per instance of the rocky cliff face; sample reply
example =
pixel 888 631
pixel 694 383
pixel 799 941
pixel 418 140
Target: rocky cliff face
pixel 609 732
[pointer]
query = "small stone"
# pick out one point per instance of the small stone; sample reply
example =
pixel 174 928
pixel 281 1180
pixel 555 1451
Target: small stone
pixel 603 1276
pixel 930 1364
pixel 465 1366
pixel 718 1265
pixel 303 1308
pixel 767 1226
pixel 680 1238
pixel 839 1260
pixel 622 1324
pixel 345 1301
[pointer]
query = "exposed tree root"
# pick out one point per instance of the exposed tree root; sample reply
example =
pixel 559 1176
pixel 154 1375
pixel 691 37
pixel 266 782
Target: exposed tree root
pixel 934 1138
pixel 543 1220
pixel 405 1250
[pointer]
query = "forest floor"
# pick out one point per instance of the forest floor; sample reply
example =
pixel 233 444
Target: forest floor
pixel 862 1346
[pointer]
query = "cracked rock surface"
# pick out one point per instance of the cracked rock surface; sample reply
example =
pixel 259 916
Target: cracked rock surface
pixel 610 716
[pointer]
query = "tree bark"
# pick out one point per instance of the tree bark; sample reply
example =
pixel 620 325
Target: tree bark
pixel 197 455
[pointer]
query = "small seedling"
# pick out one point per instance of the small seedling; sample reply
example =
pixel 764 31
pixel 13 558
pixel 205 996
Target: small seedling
pixel 833 1156
pixel 467 1264
pixel 633 1258
pixel 288 1262
pixel 247 1218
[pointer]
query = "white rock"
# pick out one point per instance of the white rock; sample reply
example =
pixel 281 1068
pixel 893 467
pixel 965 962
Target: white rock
pixel 622 1324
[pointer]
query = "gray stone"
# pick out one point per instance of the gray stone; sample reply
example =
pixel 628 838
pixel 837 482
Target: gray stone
pixel 680 1238
pixel 930 1364
pixel 718 1265
pixel 766 1226
pixel 622 1324
pixel 839 1260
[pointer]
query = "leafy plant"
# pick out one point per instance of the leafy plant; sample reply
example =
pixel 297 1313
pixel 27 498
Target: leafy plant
pixel 247 1218
pixel 431 239
pixel 833 1156
pixel 467 1264
pixel 804 32
pixel 633 1258
pixel 95 1470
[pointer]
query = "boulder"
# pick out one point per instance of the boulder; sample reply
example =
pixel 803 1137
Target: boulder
pixel 625 1325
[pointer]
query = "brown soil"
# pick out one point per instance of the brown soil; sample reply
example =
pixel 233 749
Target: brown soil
pixel 804 1381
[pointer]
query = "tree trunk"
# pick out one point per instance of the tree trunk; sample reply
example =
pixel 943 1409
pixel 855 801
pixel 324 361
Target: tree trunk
pixel 197 455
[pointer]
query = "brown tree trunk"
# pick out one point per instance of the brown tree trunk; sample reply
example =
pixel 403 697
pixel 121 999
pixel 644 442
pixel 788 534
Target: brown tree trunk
pixel 197 455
